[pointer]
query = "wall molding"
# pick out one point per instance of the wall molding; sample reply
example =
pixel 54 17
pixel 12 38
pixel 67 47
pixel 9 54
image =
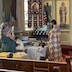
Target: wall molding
pixel 1 11
pixel 65 43
pixel 65 30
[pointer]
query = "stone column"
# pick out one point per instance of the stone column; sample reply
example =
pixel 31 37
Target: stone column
pixel 71 21
pixel 18 11
pixel 1 11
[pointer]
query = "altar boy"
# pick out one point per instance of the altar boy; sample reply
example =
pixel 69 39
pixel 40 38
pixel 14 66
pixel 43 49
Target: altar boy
pixel 42 52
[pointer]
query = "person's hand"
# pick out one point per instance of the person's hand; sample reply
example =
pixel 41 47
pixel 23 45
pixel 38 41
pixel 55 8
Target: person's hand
pixel 13 28
pixel 8 33
pixel 47 42
pixel 12 31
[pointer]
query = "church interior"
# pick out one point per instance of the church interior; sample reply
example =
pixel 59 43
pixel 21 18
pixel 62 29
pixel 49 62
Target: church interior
pixel 35 35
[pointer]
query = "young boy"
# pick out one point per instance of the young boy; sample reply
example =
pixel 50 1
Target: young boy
pixel 42 52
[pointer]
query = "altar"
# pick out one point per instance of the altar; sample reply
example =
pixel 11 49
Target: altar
pixel 31 47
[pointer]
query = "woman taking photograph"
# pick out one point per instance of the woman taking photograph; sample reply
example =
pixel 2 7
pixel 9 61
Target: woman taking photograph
pixel 8 37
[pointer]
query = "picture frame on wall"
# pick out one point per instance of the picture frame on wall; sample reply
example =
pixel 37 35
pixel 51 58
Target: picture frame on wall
pixel 34 7
pixel 63 13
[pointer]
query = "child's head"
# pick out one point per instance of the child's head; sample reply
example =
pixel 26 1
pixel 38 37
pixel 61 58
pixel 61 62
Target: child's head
pixel 43 44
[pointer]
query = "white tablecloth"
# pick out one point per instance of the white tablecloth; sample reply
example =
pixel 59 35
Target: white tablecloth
pixel 33 52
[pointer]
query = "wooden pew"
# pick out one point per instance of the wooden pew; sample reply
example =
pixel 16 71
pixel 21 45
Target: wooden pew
pixel 34 65
pixel 49 66
pixel 15 64
pixel 68 60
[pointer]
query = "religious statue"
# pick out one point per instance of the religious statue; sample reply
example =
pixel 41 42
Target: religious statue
pixel 47 9
pixel 63 13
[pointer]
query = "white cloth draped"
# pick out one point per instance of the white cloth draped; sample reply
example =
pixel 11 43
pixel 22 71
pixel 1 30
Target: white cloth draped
pixel 33 52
